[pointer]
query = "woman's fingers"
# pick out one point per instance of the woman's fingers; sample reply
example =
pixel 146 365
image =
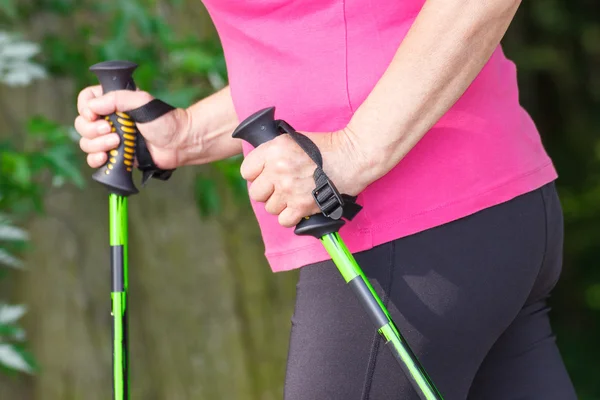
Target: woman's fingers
pixel 289 217
pixel 83 99
pixel 275 205
pixel 98 147
pixel 96 160
pixel 93 129
pixel 99 144
pixel 261 189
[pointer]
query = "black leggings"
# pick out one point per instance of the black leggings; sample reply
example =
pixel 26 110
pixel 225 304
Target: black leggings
pixel 469 297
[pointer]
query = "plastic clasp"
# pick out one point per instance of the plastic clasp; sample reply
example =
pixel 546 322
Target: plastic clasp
pixel 329 200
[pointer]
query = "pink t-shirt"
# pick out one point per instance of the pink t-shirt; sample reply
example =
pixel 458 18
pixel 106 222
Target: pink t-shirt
pixel 317 60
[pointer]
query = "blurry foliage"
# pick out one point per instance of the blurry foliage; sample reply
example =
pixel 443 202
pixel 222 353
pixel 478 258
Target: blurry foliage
pixel 26 164
pixel 16 66
pixel 556 47
pixel 178 68
pixel 27 169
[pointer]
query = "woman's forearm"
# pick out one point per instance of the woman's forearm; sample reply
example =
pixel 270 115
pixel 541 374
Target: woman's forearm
pixel 210 124
pixel 445 49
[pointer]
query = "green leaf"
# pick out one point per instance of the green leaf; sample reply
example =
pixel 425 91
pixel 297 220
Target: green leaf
pixel 61 6
pixel 59 158
pixel 12 332
pixel 207 197
pixel 5 219
pixel 12 233
pixel 42 127
pixel 10 314
pixel 10 357
pixel 135 12
pixel 592 296
pixel 17 167
pixel 193 60
pixel 179 98
pixel 9 260
pixel 230 170
pixel 8 8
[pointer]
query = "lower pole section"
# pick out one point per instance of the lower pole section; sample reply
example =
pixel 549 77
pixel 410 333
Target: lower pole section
pixel 378 313
pixel 118 261
pixel 120 370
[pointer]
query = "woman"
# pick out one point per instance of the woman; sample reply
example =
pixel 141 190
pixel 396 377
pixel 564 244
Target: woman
pixel 415 109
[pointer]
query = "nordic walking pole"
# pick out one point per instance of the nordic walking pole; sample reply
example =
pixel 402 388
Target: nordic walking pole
pixel 116 176
pixel 262 127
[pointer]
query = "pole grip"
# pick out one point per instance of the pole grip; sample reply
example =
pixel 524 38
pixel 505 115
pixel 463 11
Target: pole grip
pixel 258 128
pixel 261 127
pixel 117 174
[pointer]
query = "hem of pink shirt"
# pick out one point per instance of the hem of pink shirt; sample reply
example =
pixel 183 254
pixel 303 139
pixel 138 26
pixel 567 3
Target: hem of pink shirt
pixel 389 230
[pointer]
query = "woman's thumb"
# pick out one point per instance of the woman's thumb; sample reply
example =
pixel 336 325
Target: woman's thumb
pixel 119 101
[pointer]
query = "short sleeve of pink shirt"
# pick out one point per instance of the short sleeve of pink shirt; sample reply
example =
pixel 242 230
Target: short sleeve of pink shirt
pixel 317 60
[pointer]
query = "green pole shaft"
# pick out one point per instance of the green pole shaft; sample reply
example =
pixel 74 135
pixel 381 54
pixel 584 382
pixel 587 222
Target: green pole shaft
pixel 354 277
pixel 119 279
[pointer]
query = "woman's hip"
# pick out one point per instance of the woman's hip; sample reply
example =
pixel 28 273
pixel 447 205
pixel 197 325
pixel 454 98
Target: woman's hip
pixel 452 291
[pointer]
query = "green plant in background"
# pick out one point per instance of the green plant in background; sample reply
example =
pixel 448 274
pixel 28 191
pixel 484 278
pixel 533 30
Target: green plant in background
pixel 45 158
pixel 27 162
pixel 16 68
pixel 13 355
pixel 175 67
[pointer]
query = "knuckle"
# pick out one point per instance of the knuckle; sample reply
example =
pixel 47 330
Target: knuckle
pixel 83 144
pixel 110 96
pixel 281 164
pixel 246 167
pixel 289 220
pixel 77 124
pixel 287 183
pixel 308 202
pixel 256 192
pixel 83 96
pixel 243 169
pixel 271 208
pixel 145 95
pixel 252 192
pixel 140 98
pixel 283 221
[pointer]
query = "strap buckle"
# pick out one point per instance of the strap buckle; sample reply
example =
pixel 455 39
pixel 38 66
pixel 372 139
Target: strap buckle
pixel 146 164
pixel 328 199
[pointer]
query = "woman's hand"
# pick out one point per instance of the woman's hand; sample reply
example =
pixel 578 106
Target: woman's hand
pixel 281 174
pixel 168 138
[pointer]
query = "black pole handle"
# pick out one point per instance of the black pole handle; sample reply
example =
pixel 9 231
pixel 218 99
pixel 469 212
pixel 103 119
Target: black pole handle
pixel 116 174
pixel 261 127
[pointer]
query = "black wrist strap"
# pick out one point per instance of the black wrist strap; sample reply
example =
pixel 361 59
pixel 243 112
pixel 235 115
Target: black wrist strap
pixel 331 203
pixel 149 112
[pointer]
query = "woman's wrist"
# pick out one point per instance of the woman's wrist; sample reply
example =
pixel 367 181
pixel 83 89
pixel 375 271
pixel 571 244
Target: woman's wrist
pixel 205 128
pixel 188 137
pixel 343 161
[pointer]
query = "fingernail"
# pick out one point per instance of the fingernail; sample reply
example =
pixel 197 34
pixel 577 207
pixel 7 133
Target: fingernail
pixel 104 128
